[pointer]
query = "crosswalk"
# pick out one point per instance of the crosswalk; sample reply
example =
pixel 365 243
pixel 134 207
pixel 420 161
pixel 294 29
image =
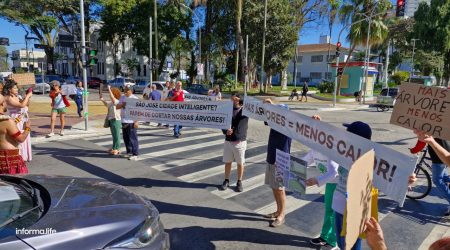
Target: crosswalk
pixel 196 157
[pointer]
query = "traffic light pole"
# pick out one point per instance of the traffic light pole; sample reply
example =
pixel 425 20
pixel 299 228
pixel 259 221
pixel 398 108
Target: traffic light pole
pixel 83 51
pixel 150 60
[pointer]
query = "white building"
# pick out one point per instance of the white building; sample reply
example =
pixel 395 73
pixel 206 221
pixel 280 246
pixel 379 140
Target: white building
pixel 412 5
pixel 35 59
pixel 312 63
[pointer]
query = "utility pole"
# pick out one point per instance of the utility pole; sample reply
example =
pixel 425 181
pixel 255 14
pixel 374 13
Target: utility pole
pixel 155 12
pixel 387 65
pixel 83 52
pixel 246 65
pixel 412 63
pixel 150 60
pixel 263 46
pixel 366 64
pixel 295 66
pixel 26 51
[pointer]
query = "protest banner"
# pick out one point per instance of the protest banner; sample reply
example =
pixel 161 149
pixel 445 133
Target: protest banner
pixel 359 190
pixel 194 97
pixel 68 89
pixel 192 114
pixel 292 172
pixel 423 108
pixel 23 79
pixel 391 169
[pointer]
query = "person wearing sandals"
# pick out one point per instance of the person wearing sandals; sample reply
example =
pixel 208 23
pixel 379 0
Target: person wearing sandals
pixel 114 118
pixel 281 142
pixel 58 107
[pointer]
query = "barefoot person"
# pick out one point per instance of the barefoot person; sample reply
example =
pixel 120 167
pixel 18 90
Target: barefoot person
pixel 11 162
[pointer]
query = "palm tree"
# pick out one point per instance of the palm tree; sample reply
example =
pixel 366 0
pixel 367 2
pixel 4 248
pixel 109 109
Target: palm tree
pixel 356 10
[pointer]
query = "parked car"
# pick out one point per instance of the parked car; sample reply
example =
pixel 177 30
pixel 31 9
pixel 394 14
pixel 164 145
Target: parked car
pixel 121 82
pixel 198 89
pixel 387 97
pixel 43 84
pixel 75 213
pixel 139 87
pixel 72 80
pixel 160 86
pixel 94 82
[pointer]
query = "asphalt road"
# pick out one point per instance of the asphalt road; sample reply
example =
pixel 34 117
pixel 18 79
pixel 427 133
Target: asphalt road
pixel 181 177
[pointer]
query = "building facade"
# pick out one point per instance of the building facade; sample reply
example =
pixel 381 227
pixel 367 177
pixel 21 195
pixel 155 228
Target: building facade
pixel 35 59
pixel 313 63
pixel 412 5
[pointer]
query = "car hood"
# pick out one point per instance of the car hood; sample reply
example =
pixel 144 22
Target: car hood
pixel 92 211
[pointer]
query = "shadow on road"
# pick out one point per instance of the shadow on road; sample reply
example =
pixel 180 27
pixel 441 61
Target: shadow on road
pixel 198 237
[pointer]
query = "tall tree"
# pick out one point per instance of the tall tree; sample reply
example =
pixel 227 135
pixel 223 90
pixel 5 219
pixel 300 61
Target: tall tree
pixel 3 58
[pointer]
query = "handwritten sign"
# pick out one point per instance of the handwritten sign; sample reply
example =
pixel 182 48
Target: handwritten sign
pixel 423 108
pixel 391 168
pixel 193 114
pixel 359 189
pixel 24 79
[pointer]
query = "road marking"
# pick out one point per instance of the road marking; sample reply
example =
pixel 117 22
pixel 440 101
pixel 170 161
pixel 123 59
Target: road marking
pixel 248 184
pixel 292 203
pixel 178 150
pixel 186 161
pixel 158 142
pixel 203 174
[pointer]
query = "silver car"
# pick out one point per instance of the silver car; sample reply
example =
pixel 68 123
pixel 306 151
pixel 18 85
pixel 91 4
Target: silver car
pixel 54 212
pixel 121 82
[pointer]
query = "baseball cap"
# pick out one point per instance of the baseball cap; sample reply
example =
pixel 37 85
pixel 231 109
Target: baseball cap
pixel 359 128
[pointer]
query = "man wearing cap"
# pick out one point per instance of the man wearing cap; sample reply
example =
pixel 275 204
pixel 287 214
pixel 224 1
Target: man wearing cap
pixel 235 144
pixel 281 142
pixel 129 127
pixel 339 202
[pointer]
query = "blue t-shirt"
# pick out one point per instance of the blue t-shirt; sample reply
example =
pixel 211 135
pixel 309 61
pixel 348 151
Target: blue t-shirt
pixel 277 141
pixel 155 95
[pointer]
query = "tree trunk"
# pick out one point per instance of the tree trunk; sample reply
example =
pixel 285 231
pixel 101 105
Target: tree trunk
pixel 50 54
pixel 239 39
pixel 284 80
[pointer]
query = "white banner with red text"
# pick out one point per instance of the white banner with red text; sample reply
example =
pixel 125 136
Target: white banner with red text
pixel 391 168
pixel 192 114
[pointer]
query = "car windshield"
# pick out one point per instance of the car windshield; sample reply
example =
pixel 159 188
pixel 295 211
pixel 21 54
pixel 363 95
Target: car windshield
pixel 129 80
pixel 15 200
pixel 50 78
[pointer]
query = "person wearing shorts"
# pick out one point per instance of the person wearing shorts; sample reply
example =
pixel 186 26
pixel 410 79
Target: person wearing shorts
pixel 235 144
pixel 281 142
pixel 58 107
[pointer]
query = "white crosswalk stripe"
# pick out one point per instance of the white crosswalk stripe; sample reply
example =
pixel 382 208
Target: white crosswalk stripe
pixel 171 157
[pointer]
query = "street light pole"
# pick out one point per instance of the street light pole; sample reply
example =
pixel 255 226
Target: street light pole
pixel 366 64
pixel 246 65
pixel 155 8
pixel 412 63
pixel 150 60
pixel 263 46
pixel 83 51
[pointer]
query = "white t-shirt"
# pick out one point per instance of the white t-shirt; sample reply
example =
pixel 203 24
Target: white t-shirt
pixel 340 194
pixel 327 167
pixel 122 111
pixel 59 103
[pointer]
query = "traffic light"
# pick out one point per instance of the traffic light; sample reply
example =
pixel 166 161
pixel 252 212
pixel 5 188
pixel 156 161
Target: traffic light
pixel 93 57
pixel 338 48
pixel 400 8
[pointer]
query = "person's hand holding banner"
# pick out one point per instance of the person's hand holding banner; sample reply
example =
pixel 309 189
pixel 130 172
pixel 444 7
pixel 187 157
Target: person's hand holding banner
pixel 374 235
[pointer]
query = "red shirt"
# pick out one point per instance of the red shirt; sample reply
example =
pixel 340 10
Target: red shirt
pixel 178 96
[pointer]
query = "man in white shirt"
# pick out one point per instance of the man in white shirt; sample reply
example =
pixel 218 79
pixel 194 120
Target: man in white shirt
pixel 129 127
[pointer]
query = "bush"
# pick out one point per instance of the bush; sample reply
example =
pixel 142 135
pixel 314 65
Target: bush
pixel 400 76
pixel 326 87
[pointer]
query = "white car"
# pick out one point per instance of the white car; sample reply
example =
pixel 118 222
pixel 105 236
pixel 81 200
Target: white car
pixel 121 82
pixel 160 86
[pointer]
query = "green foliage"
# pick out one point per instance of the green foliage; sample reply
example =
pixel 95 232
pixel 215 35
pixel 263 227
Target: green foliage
pixel 326 87
pixel 131 64
pixel 400 76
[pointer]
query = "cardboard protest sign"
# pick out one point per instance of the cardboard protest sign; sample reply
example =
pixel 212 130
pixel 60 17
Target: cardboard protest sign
pixel 292 172
pixel 24 79
pixel 192 114
pixel 391 169
pixel 69 89
pixel 359 190
pixel 423 108
pixel 194 97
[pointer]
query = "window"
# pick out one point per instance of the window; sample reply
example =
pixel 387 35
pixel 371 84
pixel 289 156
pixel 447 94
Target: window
pixel 123 47
pixel 138 68
pixel 299 76
pixel 99 68
pixel 299 59
pixel 315 75
pixel 145 70
pixel 327 75
pixel 103 68
pixel 331 58
pixel 317 58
